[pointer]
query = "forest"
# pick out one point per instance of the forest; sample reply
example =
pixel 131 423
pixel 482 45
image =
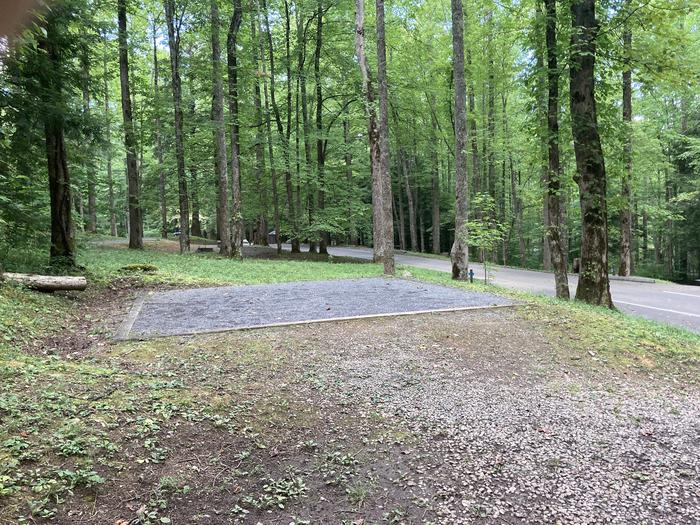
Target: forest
pixel 533 134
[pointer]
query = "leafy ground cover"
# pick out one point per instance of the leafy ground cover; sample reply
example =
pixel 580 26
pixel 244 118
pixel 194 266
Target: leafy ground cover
pixel 377 420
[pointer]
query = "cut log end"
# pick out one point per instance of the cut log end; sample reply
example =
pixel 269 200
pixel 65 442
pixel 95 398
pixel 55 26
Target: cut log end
pixel 46 283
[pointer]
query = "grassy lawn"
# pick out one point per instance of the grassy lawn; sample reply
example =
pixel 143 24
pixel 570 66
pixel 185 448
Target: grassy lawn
pixel 71 422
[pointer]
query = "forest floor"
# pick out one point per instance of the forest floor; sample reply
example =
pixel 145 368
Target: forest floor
pixel 547 413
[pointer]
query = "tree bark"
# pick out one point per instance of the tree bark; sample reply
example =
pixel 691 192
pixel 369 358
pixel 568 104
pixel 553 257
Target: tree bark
pixel 291 207
pixel 459 254
pixel 306 125
pixel 237 232
pixel 372 132
pixel 268 127
pixel 352 229
pixel 174 46
pixel 383 136
pixel 196 228
pixel 46 283
pixel 593 285
pixel 217 112
pixel 320 150
pixel 435 182
pixel 91 175
pixel 159 142
pixel 132 172
pixel 62 252
pixel 626 212
pixel 554 237
pixel 108 147
pixel 261 237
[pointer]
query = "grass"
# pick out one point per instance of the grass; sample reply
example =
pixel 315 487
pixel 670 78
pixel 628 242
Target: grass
pixel 104 264
pixel 619 337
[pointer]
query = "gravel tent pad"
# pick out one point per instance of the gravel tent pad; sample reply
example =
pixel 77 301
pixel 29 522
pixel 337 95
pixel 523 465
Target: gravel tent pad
pixel 202 310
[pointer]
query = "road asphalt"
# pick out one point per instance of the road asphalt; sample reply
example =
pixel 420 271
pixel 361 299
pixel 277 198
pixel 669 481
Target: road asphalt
pixel 670 303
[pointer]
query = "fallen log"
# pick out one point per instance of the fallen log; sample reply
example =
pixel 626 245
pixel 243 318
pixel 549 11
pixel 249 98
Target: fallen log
pixel 46 283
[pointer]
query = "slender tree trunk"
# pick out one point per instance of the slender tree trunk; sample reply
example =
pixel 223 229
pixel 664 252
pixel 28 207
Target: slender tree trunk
pixel 460 253
pixel 593 285
pixel 399 213
pixel 626 212
pixel 108 146
pixel 237 231
pixel 409 201
pixel 306 125
pixel 352 230
pixel 91 175
pixel 435 181
pixel 268 129
pixel 320 153
pixel 291 207
pixel 373 132
pixel 132 173
pixel 383 136
pixel 174 45
pixel 217 113
pixel 283 135
pixel 196 228
pixel 553 233
pixel 159 142
pixel 62 251
pixel 260 185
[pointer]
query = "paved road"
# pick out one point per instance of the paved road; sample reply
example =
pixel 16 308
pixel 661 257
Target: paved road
pixel 670 303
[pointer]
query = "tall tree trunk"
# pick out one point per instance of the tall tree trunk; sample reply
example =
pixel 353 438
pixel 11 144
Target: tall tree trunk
pixel 373 132
pixel 399 213
pixel 260 186
pixel 237 231
pixel 268 128
pixel 91 175
pixel 306 125
pixel 352 229
pixel 460 253
pixel 554 200
pixel 593 285
pixel 217 113
pixel 404 168
pixel 435 181
pixel 132 172
pixel 108 146
pixel 159 142
pixel 291 207
pixel 383 136
pixel 320 150
pixel 196 228
pixel 626 212
pixel 62 252
pixel 283 135
pixel 174 46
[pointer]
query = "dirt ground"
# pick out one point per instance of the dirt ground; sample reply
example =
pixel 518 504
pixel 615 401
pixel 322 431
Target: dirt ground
pixel 441 418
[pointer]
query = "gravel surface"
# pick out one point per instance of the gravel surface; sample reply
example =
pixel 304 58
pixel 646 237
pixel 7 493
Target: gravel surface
pixel 516 431
pixel 211 309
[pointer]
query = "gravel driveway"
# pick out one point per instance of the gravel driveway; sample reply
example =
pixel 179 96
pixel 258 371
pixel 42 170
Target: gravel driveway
pixel 516 431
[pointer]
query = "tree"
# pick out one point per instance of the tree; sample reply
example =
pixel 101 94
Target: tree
pixel 593 285
pixel 217 111
pixel 372 132
pixel 387 222
pixel 174 26
pixel 159 142
pixel 62 252
pixel 626 211
pixel 132 173
pixel 554 237
pixel 459 254
pixel 232 65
